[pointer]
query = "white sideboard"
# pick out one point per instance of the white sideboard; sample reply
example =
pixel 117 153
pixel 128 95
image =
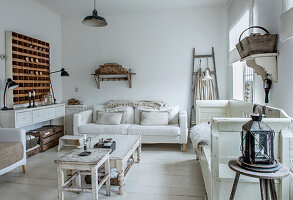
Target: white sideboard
pixel 21 117
pixel 70 110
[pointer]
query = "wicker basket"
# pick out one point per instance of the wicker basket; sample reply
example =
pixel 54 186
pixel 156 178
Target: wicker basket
pixel 256 43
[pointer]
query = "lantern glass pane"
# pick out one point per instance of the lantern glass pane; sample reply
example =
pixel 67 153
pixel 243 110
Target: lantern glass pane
pixel 262 143
pixel 243 142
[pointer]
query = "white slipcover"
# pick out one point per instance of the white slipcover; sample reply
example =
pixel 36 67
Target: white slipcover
pixel 172 133
pixel 93 128
pixel 168 130
pixel 13 135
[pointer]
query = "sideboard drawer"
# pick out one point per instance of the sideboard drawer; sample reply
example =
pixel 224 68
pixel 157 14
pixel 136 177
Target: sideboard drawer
pixel 23 118
pixel 60 111
pixel 49 113
pixel 38 115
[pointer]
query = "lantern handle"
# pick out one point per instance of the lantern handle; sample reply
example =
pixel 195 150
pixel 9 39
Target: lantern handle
pixel 260 111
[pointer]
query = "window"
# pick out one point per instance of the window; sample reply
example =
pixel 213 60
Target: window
pixel 242 75
pixel 248 84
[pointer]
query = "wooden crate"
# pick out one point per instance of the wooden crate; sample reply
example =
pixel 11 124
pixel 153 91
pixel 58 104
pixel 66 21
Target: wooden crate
pixel 32 142
pixel 51 139
pixel 33 151
pixel 28 64
pixel 55 128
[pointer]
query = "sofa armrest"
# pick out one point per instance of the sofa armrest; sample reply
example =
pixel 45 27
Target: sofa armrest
pixel 183 127
pixel 81 118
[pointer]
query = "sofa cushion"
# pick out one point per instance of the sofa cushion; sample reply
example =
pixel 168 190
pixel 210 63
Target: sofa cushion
pixel 168 130
pixel 93 128
pixel 10 153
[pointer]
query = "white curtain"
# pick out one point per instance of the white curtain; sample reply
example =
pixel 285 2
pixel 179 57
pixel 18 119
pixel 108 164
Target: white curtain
pixel 287 20
pixel 239 18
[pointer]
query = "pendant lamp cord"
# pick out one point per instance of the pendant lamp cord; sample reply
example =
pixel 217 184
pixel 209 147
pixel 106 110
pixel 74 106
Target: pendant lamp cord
pixel 95 4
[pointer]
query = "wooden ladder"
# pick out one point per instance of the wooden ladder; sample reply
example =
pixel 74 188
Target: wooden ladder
pixel 194 73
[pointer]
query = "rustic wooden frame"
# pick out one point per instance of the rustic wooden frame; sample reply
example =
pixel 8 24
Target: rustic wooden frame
pixel 28 64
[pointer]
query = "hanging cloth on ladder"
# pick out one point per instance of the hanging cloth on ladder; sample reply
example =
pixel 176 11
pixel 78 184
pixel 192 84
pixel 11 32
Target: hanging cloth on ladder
pixel 199 92
pixel 209 86
pixel 204 86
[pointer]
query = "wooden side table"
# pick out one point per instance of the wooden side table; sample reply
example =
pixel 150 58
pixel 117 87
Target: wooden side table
pixel 82 165
pixel 75 141
pixel 266 180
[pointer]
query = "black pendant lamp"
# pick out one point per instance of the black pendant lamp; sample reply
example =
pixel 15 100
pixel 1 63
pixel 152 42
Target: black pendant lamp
pixel 94 20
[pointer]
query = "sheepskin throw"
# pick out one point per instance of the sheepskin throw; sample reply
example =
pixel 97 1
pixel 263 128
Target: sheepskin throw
pixel 200 135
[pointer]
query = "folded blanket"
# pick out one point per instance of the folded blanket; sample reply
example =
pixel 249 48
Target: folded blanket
pixel 125 103
pixel 200 135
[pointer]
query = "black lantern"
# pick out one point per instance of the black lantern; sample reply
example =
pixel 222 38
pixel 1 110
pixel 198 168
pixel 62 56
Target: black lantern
pixel 257 144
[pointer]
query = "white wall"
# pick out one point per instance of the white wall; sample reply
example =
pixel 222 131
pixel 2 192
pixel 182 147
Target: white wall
pixel 157 45
pixel 267 14
pixel 30 18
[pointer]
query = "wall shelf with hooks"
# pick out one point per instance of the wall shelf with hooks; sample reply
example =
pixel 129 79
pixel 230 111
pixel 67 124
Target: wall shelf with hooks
pixel 263 64
pixel 113 77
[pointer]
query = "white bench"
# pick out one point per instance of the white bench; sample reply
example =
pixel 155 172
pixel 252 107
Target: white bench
pixel 226 118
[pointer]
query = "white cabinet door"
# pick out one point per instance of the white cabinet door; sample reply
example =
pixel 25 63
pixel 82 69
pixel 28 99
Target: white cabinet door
pixel 23 118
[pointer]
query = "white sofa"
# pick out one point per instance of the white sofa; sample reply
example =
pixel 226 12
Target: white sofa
pixel 11 139
pixel 84 123
pixel 226 118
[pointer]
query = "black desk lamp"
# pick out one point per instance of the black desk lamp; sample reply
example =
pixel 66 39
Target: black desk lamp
pixel 10 84
pixel 63 73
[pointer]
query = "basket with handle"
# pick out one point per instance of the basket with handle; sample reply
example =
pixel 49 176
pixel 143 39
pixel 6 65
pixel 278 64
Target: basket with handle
pixel 256 43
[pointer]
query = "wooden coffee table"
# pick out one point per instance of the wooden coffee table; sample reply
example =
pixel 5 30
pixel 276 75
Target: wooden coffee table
pixel 126 146
pixel 83 165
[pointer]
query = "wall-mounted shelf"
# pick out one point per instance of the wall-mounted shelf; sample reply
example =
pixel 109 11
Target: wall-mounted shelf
pixel 263 64
pixel 113 77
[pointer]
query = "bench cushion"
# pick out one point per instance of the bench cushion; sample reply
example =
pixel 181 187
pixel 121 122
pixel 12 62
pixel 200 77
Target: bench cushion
pixel 168 130
pixel 93 128
pixel 10 153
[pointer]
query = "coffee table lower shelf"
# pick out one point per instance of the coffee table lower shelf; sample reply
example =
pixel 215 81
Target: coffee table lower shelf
pixel 114 180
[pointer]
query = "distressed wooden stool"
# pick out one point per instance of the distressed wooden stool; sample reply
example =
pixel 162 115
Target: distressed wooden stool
pixel 266 180
pixel 83 165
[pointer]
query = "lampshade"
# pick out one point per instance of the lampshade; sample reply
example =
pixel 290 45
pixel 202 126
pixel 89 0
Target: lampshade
pixel 207 75
pixel 94 20
pixel 11 84
pixel 64 73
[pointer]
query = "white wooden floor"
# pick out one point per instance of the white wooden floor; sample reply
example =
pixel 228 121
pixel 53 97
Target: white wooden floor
pixel 165 173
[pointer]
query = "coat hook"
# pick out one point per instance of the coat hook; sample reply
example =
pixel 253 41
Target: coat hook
pixel 2 56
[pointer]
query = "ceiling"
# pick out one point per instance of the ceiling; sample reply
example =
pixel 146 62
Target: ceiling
pixel 83 7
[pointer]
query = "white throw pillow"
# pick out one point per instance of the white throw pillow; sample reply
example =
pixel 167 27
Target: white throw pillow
pixel 128 113
pixel 109 118
pixel 154 118
pixel 137 113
